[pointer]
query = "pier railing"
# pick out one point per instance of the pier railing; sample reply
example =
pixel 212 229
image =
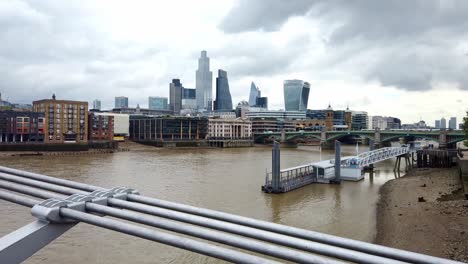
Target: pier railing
pixel 293 176
pixel 370 157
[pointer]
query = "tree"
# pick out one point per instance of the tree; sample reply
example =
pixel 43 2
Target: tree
pixel 465 128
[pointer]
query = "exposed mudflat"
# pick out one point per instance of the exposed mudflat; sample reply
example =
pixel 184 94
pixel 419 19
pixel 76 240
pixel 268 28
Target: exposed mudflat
pixel 424 212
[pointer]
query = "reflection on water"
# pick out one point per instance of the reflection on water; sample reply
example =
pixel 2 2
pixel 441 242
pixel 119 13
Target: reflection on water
pixel 221 179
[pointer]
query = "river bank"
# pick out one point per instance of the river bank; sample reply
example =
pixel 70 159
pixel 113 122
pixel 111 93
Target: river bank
pixel 424 212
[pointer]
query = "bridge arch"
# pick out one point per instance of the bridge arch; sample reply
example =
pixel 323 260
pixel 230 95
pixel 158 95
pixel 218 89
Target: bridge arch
pixel 338 136
pixel 305 135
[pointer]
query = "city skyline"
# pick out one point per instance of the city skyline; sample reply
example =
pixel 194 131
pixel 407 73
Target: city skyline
pixel 421 75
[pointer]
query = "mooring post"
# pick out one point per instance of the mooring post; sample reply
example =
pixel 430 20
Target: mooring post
pixel 275 167
pixel 371 148
pixel 337 161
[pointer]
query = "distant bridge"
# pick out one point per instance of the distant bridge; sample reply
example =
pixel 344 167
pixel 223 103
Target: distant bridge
pixel 442 137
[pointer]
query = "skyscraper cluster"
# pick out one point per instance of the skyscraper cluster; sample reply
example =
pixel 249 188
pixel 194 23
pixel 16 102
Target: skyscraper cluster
pixel 442 123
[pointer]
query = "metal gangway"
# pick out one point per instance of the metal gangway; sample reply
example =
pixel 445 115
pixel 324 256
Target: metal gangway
pixel 60 204
pixel 370 157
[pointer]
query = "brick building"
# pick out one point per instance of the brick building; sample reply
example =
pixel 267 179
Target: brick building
pixel 66 121
pixel 100 127
pixel 21 127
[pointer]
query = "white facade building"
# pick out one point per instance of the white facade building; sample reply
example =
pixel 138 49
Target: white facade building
pixel 121 123
pixel 229 128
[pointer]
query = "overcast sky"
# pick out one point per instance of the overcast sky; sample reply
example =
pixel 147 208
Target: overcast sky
pixel 402 58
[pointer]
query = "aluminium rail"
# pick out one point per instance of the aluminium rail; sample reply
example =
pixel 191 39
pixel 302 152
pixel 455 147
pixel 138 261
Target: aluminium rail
pixel 86 203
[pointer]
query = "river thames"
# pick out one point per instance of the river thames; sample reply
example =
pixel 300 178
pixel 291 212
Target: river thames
pixel 228 180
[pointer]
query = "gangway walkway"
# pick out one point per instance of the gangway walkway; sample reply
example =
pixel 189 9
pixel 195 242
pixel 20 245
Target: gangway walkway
pixel 60 204
pixel 370 157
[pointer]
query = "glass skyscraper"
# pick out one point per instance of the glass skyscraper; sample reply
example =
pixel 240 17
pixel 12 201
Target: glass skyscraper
pixel 157 103
pixel 296 95
pixel 223 95
pixel 121 102
pixel 254 93
pixel 204 83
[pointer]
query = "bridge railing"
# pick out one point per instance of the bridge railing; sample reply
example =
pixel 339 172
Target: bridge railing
pixel 68 203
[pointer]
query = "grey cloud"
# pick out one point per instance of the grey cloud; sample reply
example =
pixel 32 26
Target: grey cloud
pixel 260 57
pixel 406 44
pixel 269 15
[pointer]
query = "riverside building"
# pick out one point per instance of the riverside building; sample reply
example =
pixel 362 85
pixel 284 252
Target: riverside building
pixel 21 127
pixel 66 121
pixel 230 132
pixel 169 131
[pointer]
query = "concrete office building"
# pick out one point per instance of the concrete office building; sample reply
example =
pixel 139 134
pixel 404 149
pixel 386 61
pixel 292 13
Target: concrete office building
pixel 223 95
pixel 262 125
pixel 121 102
pixel 175 96
pixel 437 124
pixel 97 104
pixel 66 121
pixel 204 84
pixel 443 123
pixel 360 120
pixel 296 95
pixel 157 103
pixel 453 123
pixel 292 115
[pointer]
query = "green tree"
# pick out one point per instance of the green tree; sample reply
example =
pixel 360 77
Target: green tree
pixel 465 128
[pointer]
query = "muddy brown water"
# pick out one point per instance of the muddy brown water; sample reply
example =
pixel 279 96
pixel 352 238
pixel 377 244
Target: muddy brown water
pixel 228 180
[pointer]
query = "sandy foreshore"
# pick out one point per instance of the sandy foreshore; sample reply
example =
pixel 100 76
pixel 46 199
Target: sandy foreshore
pixel 424 212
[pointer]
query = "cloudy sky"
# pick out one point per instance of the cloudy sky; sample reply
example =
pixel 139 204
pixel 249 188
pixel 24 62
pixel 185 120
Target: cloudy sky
pixel 401 58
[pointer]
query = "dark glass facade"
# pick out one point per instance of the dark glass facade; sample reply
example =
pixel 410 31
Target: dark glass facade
pixel 316 114
pixel 262 102
pixel 223 95
pixel 188 93
pixel 144 128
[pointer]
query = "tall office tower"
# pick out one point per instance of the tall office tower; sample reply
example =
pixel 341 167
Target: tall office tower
pixel 223 95
pixel 437 124
pixel 204 84
pixel 157 103
pixel 443 123
pixel 453 123
pixel 254 94
pixel 296 95
pixel 175 96
pixel 121 102
pixel 97 104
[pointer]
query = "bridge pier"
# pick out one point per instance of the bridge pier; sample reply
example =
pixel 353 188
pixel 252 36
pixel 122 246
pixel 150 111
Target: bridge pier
pixel 443 139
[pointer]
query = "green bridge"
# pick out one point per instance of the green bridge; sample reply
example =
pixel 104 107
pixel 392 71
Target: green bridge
pixel 379 137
